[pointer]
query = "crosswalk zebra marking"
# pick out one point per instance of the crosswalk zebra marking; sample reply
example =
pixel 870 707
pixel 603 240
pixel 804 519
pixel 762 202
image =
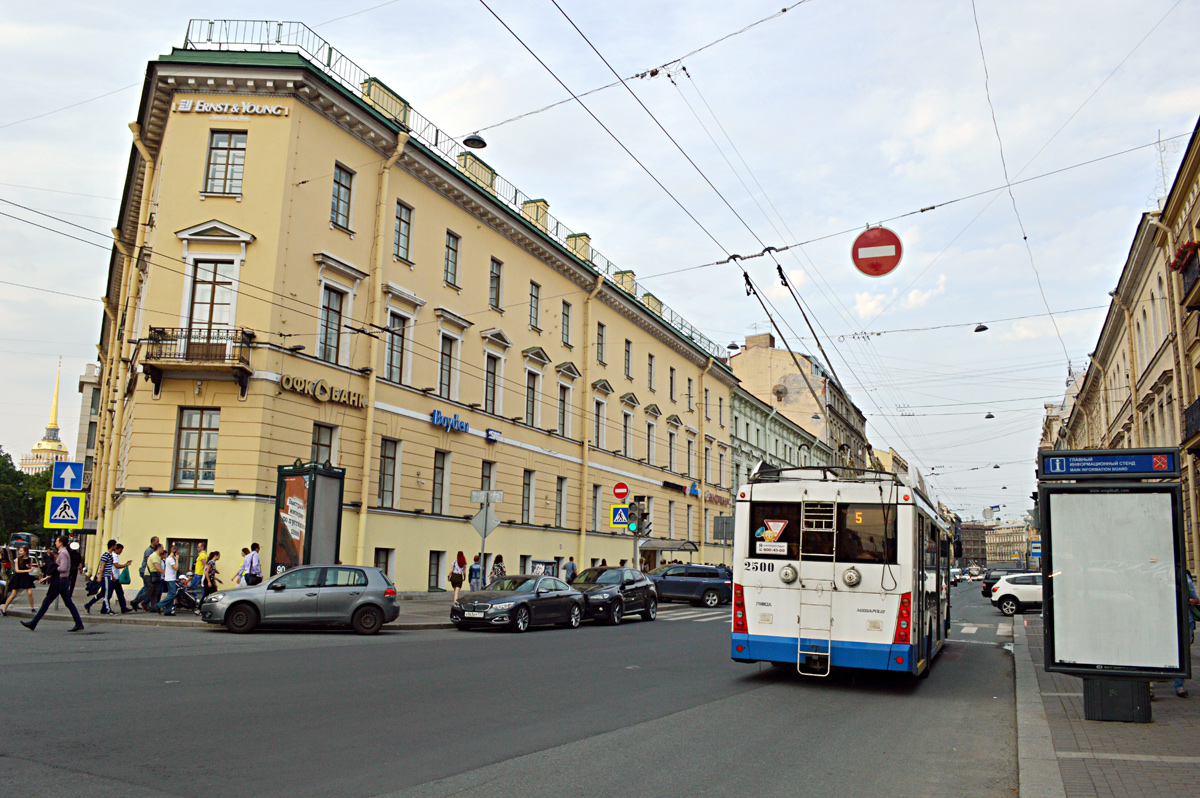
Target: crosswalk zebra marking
pixel 969 630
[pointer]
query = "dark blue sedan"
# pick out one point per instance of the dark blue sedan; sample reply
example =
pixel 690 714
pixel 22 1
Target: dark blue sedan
pixel 702 585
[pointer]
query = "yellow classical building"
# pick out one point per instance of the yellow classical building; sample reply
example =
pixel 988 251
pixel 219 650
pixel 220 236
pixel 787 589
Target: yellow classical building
pixel 306 269
pixel 50 449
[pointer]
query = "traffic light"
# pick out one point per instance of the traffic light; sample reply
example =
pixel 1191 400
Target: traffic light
pixel 635 518
pixel 647 521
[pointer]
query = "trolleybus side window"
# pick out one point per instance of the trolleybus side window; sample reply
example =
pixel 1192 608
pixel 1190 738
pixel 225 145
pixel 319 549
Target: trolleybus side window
pixel 862 534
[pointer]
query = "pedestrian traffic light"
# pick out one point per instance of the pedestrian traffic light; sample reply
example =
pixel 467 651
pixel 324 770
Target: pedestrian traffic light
pixel 646 522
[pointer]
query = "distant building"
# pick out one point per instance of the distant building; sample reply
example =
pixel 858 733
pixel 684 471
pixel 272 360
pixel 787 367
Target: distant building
pixel 49 450
pixel 771 375
pixel 89 420
pixel 1008 543
pixel 761 433
pixel 974 540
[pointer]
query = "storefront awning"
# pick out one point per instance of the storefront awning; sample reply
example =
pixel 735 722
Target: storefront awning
pixel 654 544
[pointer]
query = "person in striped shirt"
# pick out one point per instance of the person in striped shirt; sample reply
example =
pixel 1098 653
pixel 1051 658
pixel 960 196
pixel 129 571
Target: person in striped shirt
pixel 110 583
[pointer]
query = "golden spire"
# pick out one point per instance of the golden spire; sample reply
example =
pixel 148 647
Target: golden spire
pixel 54 407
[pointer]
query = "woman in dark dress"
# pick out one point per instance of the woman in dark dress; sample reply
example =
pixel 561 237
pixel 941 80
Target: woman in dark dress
pixel 22 579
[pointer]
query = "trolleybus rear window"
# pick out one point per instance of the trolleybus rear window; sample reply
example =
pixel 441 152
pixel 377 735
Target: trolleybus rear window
pixel 862 536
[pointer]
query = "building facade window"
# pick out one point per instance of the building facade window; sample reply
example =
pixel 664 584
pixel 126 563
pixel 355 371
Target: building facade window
pixel 435 568
pixel 670 519
pixel 598 425
pixel 671 383
pixel 690 524
pixel 720 468
pixel 706 407
pixel 627 434
pixel 527 497
pixel 196 448
pixel 708 464
pixel 330 333
pixel 441 463
pixel 531 396
pixel 490 373
pixel 600 330
pixel 650 372
pixel 322 444
pixel 450 270
pixel 564 402
pixel 487 475
pixel 671 441
pixel 343 189
pixel 403 234
pixel 566 323
pixel 690 464
pixel 595 508
pixel 535 305
pixel 387 472
pixel 650 431
pixel 95 402
pixel 691 400
pixel 394 367
pixel 212 297
pixel 560 500
pixel 494 285
pixel 628 358
pixel 226 162
pixel 446 367
pixel 91 435
pixel 721 410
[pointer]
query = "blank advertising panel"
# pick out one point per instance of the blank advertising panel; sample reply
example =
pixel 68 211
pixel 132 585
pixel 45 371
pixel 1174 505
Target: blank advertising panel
pixel 1113 580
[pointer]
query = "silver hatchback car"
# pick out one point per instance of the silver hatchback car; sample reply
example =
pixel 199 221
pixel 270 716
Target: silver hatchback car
pixel 333 595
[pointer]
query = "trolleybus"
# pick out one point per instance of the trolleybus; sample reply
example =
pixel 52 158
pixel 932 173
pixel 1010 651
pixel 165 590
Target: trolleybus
pixel 839 567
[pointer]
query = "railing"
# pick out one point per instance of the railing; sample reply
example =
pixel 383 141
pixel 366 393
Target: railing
pixel 1191 273
pixel 1191 420
pixel 199 345
pixel 296 37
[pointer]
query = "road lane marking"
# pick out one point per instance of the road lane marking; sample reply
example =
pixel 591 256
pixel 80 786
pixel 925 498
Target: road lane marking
pixel 1005 629
pixel 969 630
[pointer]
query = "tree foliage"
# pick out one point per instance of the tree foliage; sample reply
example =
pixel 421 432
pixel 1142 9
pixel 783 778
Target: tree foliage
pixel 22 498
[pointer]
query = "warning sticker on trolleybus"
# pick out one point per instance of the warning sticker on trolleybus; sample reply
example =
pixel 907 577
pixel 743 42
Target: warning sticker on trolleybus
pixel 770 532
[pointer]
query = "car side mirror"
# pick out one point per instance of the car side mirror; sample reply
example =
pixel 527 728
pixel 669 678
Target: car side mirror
pixel 542 590
pixel 277 586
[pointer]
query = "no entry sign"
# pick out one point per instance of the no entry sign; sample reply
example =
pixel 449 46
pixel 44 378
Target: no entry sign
pixel 876 251
pixel 620 490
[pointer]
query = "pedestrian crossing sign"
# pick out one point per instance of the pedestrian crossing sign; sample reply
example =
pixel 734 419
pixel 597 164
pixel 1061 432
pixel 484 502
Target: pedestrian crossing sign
pixel 64 510
pixel 620 516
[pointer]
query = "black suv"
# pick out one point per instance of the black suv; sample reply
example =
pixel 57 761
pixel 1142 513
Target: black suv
pixel 993 576
pixel 702 585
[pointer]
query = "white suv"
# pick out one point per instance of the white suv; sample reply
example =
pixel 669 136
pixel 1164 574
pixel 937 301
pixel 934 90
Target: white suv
pixel 1012 594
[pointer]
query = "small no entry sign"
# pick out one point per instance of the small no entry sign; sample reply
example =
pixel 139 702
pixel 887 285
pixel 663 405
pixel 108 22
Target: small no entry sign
pixel 876 251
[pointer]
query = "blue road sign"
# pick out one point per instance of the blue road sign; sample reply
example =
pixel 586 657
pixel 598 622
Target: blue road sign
pixel 67 476
pixel 620 515
pixel 64 510
pixel 1102 464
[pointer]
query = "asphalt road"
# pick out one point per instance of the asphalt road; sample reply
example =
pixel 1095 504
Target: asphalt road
pixel 644 709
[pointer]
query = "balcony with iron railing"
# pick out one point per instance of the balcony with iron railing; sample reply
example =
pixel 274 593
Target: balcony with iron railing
pixel 1191 283
pixel 296 37
pixel 1191 426
pixel 193 350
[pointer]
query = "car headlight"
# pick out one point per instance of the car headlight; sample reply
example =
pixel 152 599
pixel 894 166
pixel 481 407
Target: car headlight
pixel 215 597
pixel 508 605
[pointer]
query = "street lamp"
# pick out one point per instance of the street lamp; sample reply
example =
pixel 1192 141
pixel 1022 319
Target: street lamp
pixel 474 141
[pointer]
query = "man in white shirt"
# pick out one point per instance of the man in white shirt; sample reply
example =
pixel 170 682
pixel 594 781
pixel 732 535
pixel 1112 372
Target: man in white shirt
pixel 170 581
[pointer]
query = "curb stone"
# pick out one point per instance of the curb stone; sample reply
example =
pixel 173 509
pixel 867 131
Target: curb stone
pixel 1038 774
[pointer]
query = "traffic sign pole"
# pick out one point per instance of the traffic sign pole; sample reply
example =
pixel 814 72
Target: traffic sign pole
pixel 485 522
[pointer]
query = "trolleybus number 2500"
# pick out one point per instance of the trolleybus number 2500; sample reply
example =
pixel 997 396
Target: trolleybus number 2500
pixel 755 565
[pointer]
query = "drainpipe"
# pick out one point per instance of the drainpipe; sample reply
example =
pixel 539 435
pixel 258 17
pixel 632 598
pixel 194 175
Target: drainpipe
pixel 703 413
pixel 385 173
pixel 128 302
pixel 586 410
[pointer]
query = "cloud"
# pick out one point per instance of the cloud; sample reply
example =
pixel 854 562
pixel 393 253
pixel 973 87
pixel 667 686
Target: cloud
pixel 918 299
pixel 868 305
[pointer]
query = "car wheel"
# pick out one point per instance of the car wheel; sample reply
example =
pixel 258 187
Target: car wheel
pixel 241 618
pixel 520 620
pixel 614 613
pixel 1009 606
pixel 710 598
pixel 367 620
pixel 651 611
pixel 576 617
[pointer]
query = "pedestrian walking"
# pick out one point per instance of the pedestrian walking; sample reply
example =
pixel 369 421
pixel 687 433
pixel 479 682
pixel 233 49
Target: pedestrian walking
pixel 59 577
pixel 154 573
pixel 498 569
pixel 22 579
pixel 198 571
pixel 170 581
pixel 569 570
pixel 252 567
pixel 145 591
pixel 109 581
pixel 241 571
pixel 209 585
pixel 475 574
pixel 457 571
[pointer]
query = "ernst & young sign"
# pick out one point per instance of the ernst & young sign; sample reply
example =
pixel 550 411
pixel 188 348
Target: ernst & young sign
pixel 322 392
pixel 246 108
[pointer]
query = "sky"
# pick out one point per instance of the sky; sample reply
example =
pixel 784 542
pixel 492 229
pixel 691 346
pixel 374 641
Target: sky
pixel 803 130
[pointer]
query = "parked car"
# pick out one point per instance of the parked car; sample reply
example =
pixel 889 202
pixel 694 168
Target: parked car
pixel 518 602
pixel 1013 594
pixel 330 595
pixel 993 576
pixel 703 585
pixel 611 593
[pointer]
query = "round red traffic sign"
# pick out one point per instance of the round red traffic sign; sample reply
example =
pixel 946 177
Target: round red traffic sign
pixel 620 490
pixel 876 251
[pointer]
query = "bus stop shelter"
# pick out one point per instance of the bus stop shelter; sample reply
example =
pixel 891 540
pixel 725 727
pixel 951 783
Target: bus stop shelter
pixel 658 546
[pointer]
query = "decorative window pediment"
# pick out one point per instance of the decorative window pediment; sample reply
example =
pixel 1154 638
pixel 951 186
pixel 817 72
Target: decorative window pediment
pixel 494 335
pixel 403 295
pixel 603 386
pixel 568 370
pixel 340 267
pixel 652 410
pixel 214 231
pixel 537 356
pixel 630 399
pixel 674 420
pixel 449 317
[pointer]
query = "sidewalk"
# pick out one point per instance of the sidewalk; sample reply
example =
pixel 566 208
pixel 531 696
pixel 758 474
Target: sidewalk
pixel 1061 754
pixel 417 611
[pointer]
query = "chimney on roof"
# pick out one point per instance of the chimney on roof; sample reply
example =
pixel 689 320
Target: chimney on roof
pixel 763 341
pixel 626 281
pixel 479 172
pixel 536 211
pixel 580 245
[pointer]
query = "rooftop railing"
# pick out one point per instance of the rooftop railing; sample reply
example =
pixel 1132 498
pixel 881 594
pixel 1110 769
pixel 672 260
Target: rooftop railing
pixel 242 35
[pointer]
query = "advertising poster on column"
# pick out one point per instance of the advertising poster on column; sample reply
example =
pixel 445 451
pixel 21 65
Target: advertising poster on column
pixel 292 522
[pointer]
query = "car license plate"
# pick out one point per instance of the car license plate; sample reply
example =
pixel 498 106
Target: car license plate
pixel 472 614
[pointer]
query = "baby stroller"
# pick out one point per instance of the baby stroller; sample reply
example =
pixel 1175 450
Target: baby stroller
pixel 185 596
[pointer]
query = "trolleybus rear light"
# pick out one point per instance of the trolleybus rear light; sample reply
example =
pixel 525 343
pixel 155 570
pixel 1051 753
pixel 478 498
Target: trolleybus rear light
pixel 902 625
pixel 739 610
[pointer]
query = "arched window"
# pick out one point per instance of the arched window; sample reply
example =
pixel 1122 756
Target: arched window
pixel 1161 310
pixel 1154 317
pixel 1141 343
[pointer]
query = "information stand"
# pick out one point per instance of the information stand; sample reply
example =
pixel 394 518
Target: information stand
pixel 308 516
pixel 1114 586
